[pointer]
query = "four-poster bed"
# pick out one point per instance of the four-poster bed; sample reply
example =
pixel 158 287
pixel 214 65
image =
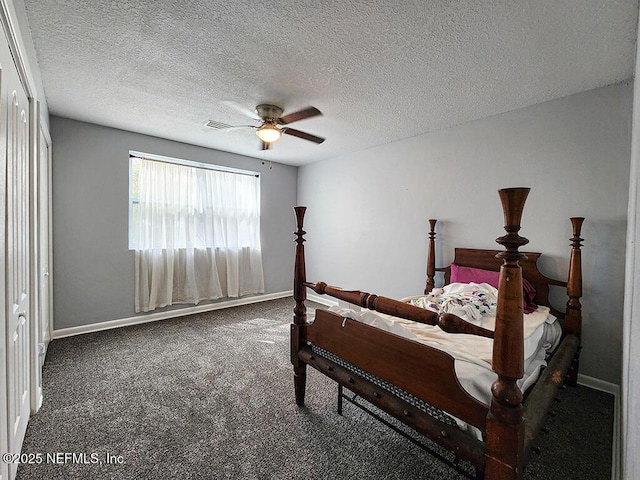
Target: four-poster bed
pixel 399 375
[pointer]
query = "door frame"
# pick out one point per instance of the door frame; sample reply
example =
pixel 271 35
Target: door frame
pixel 41 264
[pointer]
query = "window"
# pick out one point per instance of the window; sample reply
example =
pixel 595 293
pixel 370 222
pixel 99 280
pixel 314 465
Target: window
pixel 231 192
pixel 195 230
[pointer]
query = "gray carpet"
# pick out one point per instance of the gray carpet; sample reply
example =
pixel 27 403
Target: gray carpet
pixel 210 396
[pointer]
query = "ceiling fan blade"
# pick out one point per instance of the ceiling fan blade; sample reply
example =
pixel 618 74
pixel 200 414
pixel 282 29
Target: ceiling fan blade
pixel 266 146
pixel 239 108
pixel 303 135
pixel 299 115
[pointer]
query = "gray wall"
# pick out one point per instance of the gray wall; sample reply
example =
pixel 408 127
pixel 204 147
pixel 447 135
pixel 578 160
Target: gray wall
pixel 367 212
pixel 93 267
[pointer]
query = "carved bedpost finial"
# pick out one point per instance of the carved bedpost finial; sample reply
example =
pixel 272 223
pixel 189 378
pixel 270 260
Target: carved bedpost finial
pixel 431 257
pixel 300 310
pixel 299 272
pixel 513 200
pixel 505 419
pixel 573 318
pixel 508 348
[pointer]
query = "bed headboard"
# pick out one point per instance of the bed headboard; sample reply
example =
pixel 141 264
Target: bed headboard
pixel 487 260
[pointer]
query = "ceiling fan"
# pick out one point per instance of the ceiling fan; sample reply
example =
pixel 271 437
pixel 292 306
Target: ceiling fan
pixel 270 129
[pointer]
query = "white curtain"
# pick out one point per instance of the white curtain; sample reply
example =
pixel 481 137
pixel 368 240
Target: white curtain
pixel 197 235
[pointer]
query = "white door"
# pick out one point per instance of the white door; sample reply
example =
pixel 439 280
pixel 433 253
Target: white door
pixel 41 331
pixel 15 120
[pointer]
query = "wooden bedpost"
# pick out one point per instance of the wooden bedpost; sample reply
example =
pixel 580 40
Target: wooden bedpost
pixel 573 317
pixel 504 448
pixel 431 257
pixel 300 310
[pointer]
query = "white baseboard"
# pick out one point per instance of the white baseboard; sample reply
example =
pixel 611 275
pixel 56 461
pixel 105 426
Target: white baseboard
pixel 154 317
pixel 598 384
pixel 322 300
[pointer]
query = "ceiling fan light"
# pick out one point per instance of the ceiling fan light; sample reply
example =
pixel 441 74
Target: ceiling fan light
pixel 269 133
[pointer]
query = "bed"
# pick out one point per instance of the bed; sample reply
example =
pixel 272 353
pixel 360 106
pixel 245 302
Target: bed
pixel 400 375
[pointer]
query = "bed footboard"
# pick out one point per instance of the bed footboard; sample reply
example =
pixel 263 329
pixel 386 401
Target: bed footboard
pixel 421 371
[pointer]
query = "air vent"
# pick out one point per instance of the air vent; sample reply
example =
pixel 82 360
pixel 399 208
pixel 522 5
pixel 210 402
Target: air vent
pixel 216 125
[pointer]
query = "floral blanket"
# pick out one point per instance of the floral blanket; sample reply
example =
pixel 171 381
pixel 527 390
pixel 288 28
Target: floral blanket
pixel 469 301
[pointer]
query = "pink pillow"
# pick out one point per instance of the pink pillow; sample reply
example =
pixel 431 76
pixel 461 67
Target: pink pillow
pixel 461 274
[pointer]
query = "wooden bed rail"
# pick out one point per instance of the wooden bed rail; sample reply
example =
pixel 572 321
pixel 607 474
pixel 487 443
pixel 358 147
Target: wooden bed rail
pixel 448 322
pixel 377 303
pixel 543 396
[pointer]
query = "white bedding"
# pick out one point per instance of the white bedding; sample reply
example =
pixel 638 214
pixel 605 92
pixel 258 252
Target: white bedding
pixel 472 353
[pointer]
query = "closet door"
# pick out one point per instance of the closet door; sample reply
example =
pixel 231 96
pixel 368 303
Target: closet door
pixel 15 118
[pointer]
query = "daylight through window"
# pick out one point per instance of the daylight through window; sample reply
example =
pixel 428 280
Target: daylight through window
pixel 195 230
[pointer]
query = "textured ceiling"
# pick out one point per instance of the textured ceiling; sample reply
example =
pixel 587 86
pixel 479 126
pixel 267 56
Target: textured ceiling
pixel 379 71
